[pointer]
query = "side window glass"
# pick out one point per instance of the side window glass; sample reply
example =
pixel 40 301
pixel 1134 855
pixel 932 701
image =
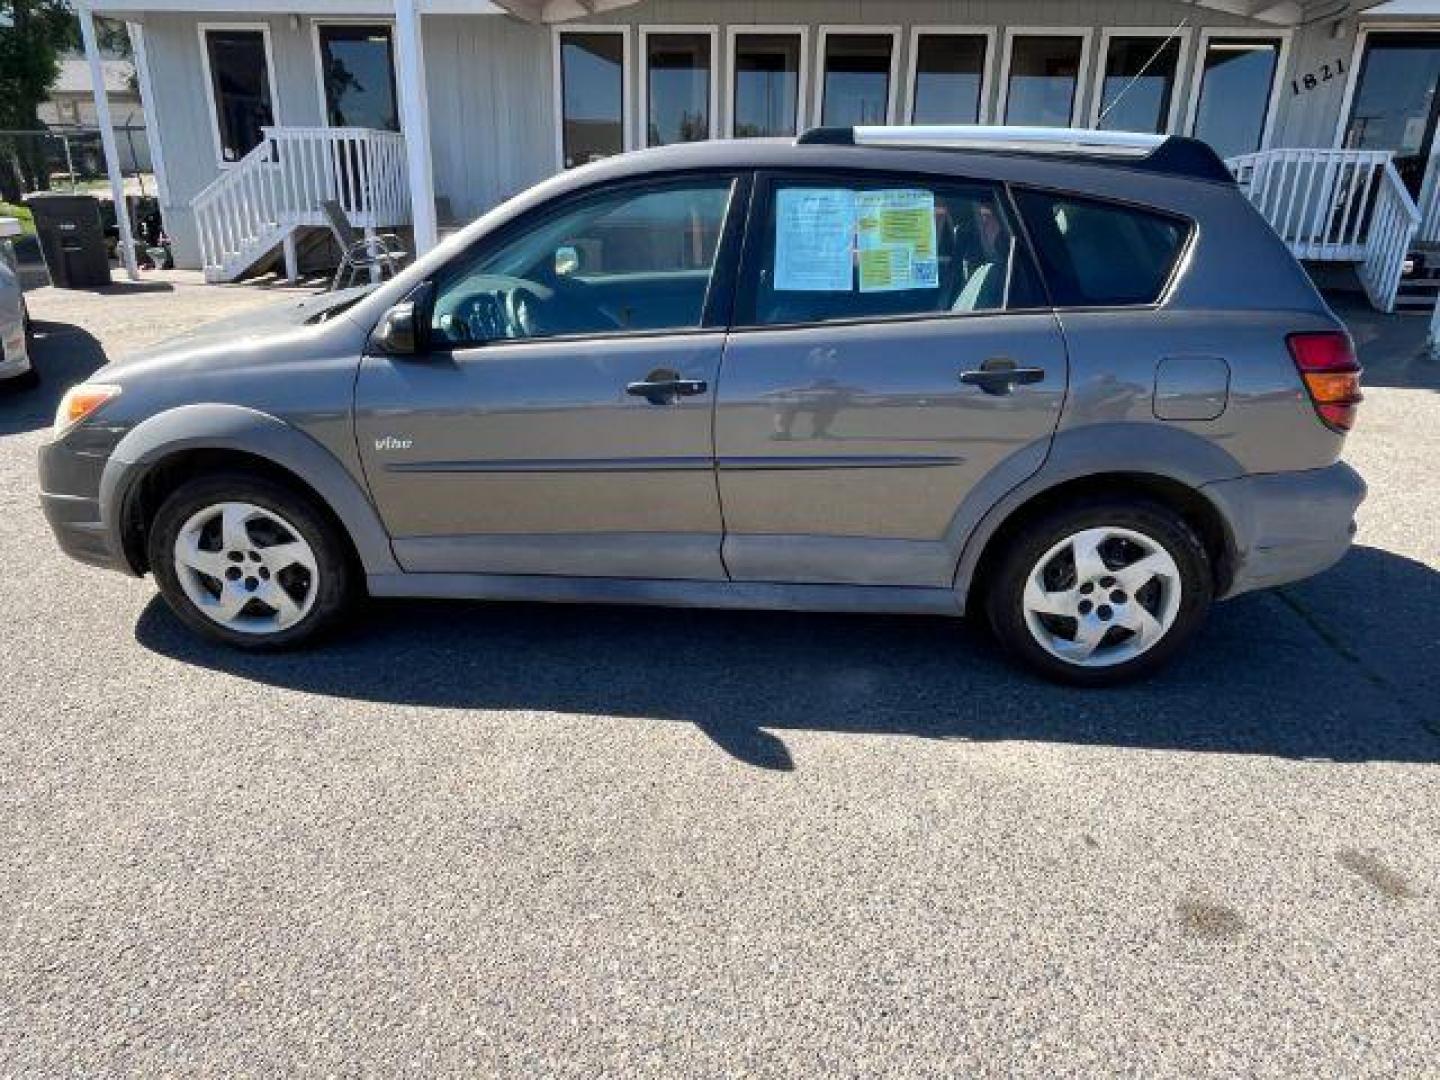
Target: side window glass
pixel 626 261
pixel 1099 254
pixel 886 249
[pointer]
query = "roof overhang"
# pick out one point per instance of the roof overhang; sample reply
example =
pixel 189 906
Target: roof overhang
pixel 1402 9
pixel 554 11
pixel 1275 12
pixel 1281 12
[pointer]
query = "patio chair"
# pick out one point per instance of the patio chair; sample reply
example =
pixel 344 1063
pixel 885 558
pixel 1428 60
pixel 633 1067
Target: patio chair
pixel 358 252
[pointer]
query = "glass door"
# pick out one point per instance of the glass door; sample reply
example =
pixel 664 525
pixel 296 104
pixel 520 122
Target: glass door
pixel 357 69
pixel 1395 103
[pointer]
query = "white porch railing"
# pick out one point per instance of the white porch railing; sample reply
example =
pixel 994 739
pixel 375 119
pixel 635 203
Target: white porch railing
pixel 278 187
pixel 1336 206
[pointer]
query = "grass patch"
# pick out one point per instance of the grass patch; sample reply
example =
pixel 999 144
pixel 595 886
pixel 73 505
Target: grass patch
pixel 15 210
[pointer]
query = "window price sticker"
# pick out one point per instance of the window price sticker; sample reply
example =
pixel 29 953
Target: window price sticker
pixel 895 233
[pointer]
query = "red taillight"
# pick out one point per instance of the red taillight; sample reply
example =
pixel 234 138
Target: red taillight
pixel 1327 365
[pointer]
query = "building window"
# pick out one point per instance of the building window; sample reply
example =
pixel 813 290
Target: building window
pixel 1042 82
pixel 679 86
pixel 1237 85
pixel 357 70
pixel 768 82
pixel 949 84
pixel 592 94
pixel 237 65
pixel 1137 84
pixel 855 80
pixel 1396 102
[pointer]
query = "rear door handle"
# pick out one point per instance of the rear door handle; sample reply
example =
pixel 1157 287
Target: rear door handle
pixel 1000 377
pixel 658 391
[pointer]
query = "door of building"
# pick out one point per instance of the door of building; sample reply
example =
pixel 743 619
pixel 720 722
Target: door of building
pixel 1397 102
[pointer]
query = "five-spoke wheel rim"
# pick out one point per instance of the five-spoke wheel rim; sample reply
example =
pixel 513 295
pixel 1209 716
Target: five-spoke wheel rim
pixel 1102 596
pixel 246 568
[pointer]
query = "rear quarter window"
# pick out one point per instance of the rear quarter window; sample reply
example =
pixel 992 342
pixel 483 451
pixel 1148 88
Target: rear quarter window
pixel 1099 254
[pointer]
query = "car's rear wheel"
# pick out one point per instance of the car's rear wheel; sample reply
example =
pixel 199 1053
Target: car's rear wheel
pixel 1101 592
pixel 249 562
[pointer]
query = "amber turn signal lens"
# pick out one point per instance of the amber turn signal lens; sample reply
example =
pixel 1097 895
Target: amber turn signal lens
pixel 79 402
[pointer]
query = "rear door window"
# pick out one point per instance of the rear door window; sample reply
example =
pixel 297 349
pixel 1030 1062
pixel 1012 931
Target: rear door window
pixel 827 248
pixel 1098 254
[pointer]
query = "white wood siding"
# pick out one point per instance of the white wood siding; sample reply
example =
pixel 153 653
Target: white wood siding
pixel 490 78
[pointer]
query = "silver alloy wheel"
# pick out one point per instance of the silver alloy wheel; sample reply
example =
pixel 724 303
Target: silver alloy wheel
pixel 246 568
pixel 1102 596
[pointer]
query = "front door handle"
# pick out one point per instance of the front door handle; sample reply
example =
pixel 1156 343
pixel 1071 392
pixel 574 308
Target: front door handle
pixel 663 387
pixel 1000 376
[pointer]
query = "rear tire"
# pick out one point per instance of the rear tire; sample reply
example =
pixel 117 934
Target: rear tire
pixel 1100 592
pixel 250 562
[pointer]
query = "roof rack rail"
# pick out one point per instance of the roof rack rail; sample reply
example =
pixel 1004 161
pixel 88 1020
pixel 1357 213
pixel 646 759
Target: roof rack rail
pixel 1157 153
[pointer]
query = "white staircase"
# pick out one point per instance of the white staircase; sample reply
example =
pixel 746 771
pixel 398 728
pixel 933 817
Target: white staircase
pixel 1336 206
pixel 266 197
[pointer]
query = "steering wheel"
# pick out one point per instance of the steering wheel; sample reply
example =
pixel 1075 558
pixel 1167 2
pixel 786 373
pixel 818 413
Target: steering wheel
pixel 522 310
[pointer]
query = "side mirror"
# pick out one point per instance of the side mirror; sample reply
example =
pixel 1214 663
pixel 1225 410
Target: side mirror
pixel 567 260
pixel 395 335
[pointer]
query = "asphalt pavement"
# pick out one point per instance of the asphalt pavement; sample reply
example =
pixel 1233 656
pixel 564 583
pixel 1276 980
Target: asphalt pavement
pixel 489 839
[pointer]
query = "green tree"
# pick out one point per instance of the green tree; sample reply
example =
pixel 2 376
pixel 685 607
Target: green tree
pixel 33 33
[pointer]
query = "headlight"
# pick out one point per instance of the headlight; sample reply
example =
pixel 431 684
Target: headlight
pixel 79 402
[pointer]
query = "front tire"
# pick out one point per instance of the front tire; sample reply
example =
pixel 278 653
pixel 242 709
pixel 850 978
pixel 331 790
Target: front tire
pixel 1101 592
pixel 249 562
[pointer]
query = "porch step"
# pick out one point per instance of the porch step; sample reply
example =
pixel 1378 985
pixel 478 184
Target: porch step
pixel 1420 290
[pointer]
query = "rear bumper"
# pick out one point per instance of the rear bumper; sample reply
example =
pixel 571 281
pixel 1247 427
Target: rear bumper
pixel 1288 526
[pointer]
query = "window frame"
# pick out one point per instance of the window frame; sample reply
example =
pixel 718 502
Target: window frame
pixel 712 31
pixel 1282 63
pixel 1160 34
pixel 318 55
pixel 1177 270
pixel 717 310
pixel 892 85
pixel 733 33
pixel 1082 78
pixel 627 76
pixel 762 198
pixel 987 70
pixel 202 30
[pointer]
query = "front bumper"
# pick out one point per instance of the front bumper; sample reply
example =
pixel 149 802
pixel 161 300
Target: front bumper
pixel 70 472
pixel 1288 526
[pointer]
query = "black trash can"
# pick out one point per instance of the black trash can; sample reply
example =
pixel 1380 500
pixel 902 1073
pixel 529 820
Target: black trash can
pixel 71 238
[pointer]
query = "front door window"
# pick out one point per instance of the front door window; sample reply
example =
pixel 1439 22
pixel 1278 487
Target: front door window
pixel 1396 103
pixel 358 68
pixel 633 260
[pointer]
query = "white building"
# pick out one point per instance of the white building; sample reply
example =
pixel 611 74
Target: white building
pixel 258 109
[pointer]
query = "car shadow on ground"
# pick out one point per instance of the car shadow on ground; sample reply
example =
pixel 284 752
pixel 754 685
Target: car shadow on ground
pixel 64 355
pixel 1278 674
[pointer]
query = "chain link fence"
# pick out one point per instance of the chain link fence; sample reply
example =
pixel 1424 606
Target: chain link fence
pixel 71 159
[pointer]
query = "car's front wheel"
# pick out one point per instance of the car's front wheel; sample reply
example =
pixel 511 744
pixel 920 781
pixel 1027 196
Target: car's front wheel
pixel 249 562
pixel 1101 592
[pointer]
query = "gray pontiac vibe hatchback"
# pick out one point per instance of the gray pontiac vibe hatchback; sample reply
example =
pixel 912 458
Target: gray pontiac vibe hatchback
pixel 1067 379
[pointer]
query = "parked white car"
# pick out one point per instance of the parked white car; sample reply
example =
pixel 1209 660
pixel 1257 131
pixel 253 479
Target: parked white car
pixel 14 320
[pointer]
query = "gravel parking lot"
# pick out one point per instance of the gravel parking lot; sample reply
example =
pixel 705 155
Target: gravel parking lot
pixel 501 840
